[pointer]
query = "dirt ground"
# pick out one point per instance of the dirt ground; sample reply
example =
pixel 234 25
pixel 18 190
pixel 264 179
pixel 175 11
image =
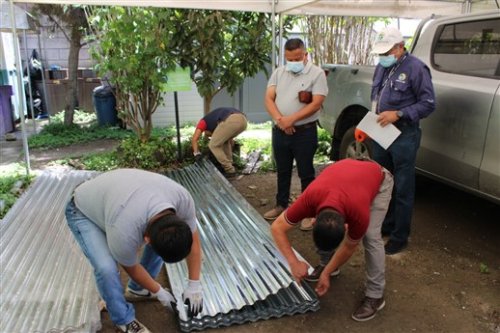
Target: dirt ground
pixel 448 280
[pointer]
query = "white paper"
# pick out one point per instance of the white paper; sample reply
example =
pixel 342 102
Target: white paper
pixel 384 136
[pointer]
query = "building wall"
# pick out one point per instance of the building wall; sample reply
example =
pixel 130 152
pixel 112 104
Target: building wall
pixel 52 47
pixel 53 50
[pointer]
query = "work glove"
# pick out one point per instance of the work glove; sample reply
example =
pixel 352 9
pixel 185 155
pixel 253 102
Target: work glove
pixel 359 135
pixel 198 157
pixel 166 298
pixel 193 298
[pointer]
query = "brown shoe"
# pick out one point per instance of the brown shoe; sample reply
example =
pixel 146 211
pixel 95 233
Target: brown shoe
pixel 307 224
pixel 368 308
pixel 274 213
pixel 314 276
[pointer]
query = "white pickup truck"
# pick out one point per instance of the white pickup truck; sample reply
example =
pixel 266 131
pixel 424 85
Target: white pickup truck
pixel 461 139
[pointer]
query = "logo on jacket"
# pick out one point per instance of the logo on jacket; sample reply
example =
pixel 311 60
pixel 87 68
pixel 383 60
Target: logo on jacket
pixel 402 77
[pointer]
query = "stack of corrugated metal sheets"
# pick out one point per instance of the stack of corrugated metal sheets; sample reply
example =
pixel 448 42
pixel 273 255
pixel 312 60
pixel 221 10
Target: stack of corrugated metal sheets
pixel 47 284
pixel 244 276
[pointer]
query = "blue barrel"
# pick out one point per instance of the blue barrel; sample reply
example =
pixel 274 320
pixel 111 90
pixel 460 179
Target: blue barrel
pixel 105 106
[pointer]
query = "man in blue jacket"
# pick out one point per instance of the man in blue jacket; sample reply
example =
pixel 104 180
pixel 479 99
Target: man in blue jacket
pixel 402 94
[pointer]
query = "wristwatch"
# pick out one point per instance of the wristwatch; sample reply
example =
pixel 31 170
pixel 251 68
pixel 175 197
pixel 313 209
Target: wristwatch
pixel 400 114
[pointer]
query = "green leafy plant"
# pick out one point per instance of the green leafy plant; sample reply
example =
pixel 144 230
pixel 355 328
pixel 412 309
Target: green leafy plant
pixel 13 182
pixel 158 153
pixel 222 48
pixel 133 51
pixel 100 161
pixel 79 117
pixel 56 134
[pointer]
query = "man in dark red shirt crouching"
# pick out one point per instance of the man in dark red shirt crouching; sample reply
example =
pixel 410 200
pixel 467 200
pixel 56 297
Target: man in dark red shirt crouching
pixel 349 200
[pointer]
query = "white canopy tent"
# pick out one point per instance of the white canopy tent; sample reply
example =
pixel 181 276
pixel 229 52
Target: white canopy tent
pixel 382 8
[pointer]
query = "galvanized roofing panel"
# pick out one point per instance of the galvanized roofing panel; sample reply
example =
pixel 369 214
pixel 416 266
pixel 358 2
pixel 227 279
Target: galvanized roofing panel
pixel 244 276
pixel 47 285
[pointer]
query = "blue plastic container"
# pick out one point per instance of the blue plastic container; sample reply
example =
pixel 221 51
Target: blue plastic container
pixel 105 106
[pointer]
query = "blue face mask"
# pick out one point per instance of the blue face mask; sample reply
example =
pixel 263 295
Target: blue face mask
pixel 387 61
pixel 295 66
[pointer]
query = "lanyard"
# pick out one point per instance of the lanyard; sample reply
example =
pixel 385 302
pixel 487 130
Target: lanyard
pixel 393 70
pixel 376 103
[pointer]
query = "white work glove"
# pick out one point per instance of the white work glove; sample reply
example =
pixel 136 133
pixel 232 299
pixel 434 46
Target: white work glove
pixel 165 298
pixel 193 298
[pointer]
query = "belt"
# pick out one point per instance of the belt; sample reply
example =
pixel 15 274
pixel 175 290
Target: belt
pixel 305 126
pixel 299 128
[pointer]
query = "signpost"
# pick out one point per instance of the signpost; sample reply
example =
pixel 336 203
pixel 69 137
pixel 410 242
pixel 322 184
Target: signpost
pixel 178 80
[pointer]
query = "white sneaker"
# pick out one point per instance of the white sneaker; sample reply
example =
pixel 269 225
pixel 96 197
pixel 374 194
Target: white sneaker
pixel 142 295
pixel 134 326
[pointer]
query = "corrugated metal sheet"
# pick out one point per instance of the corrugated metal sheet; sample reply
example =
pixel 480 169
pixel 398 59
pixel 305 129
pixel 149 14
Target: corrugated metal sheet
pixel 243 274
pixel 47 284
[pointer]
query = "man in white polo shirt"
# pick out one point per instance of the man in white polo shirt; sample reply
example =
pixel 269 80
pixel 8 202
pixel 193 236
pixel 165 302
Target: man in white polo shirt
pixel 294 95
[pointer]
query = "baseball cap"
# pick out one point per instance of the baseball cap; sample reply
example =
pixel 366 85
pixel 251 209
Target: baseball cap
pixel 386 39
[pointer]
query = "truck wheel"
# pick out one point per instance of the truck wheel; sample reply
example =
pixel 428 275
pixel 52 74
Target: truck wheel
pixel 349 148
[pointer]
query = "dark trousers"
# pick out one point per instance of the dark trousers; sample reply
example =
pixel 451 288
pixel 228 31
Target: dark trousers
pixel 399 159
pixel 301 147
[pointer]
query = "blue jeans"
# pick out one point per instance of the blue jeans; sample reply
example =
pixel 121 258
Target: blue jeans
pixel 92 241
pixel 300 146
pixel 399 159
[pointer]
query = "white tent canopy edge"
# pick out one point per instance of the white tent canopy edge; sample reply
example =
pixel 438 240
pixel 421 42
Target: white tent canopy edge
pixel 382 8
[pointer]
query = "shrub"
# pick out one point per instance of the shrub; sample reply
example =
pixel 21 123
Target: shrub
pixel 12 183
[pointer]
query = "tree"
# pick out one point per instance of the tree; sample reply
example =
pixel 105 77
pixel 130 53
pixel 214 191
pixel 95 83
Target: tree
pixel 221 48
pixel 72 17
pixel 133 51
pixel 340 39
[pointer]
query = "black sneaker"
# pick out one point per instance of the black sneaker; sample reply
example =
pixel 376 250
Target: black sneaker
pixel 368 308
pixel 393 247
pixel 314 276
pixel 230 175
pixel 134 326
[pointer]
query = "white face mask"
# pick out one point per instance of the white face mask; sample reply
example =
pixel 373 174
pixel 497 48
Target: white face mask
pixel 295 66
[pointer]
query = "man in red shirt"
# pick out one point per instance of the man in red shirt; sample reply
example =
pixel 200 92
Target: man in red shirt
pixel 349 200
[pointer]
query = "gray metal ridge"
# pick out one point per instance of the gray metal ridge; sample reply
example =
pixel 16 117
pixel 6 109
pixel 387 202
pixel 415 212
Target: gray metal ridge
pixel 47 284
pixel 244 276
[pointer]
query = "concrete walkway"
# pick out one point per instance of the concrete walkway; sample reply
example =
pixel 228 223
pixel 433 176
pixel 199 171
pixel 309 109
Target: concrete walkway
pixel 11 151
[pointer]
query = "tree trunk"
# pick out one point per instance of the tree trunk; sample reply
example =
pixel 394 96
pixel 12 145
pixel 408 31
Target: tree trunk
pixel 207 101
pixel 72 97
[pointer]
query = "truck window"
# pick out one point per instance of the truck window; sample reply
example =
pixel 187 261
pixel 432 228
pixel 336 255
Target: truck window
pixel 468 48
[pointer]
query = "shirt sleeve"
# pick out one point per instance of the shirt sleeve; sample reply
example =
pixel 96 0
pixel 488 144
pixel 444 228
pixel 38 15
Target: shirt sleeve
pixel 320 87
pixel 202 125
pixel 273 80
pixel 357 229
pixel 185 209
pixel 421 83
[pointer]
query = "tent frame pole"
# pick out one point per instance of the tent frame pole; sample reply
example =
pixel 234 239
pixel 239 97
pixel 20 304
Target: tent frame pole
pixel 19 82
